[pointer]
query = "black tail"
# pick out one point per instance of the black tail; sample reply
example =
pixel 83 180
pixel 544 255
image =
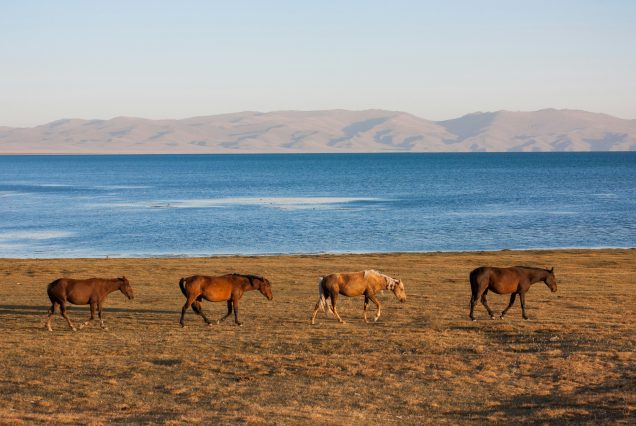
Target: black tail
pixel 474 282
pixel 182 286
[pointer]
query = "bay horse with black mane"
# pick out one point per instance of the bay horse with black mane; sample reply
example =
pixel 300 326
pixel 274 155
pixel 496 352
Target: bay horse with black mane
pixel 367 283
pixel 516 280
pixel 228 288
pixel 92 291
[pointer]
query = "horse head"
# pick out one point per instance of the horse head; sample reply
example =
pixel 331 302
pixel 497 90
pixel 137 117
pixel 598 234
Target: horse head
pixel 125 288
pixel 550 280
pixel 265 288
pixel 397 287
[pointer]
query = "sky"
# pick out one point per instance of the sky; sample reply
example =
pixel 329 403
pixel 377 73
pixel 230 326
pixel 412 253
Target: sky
pixel 438 60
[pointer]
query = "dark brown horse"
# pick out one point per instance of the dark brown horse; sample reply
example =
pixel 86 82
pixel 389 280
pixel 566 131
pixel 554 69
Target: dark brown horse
pixel 515 280
pixel 92 291
pixel 367 283
pixel 228 288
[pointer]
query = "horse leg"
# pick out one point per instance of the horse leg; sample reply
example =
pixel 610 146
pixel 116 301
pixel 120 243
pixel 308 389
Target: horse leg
pixel 101 319
pixel 63 313
pixel 473 300
pixel 374 300
pixel 229 312
pixel 512 301
pixel 189 301
pixel 315 312
pixel 334 297
pixel 522 298
pixel 91 318
pixel 366 304
pixel 196 307
pixel 485 303
pixel 235 303
pixel 50 318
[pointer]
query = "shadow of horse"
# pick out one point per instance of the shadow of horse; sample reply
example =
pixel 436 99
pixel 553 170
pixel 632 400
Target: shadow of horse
pixel 42 310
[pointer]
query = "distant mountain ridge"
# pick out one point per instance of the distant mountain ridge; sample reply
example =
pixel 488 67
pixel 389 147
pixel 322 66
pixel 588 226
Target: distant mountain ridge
pixel 328 131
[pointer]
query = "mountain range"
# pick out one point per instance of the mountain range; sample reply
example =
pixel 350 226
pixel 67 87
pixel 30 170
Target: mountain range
pixel 327 131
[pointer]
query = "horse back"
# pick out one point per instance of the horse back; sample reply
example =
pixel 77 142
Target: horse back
pixel 213 289
pixel 348 283
pixel 498 280
pixel 75 291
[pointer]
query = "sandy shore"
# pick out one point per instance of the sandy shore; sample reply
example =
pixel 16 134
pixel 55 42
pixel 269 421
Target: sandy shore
pixel 423 362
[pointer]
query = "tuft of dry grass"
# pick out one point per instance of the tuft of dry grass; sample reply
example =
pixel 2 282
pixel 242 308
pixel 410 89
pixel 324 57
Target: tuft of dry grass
pixel 423 362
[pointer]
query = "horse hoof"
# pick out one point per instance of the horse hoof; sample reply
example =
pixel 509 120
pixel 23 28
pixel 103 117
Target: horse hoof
pixel 74 329
pixel 501 317
pixel 492 317
pixel 525 318
pixel 473 319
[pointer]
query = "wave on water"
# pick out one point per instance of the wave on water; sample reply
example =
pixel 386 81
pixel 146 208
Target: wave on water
pixel 283 203
pixel 9 236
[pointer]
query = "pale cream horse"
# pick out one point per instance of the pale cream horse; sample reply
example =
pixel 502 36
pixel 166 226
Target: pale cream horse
pixel 367 283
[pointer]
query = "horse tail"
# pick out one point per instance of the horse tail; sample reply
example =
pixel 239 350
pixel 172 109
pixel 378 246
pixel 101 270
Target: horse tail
pixel 474 281
pixel 182 282
pixel 49 289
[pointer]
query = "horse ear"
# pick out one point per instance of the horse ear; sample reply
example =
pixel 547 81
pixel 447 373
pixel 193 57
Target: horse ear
pixel 552 270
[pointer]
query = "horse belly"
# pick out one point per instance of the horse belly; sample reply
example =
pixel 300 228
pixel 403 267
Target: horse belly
pixel 503 286
pixel 218 295
pixel 352 289
pixel 77 297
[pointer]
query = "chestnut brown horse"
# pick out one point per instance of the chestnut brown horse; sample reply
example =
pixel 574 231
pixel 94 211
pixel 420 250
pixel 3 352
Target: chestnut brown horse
pixel 367 283
pixel 515 280
pixel 92 291
pixel 228 288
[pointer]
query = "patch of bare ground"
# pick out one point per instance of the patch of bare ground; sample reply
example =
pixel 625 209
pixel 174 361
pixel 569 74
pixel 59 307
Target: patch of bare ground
pixel 423 362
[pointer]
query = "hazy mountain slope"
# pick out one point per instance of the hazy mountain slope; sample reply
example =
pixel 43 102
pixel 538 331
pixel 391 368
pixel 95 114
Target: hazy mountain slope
pixel 328 131
pixel 544 130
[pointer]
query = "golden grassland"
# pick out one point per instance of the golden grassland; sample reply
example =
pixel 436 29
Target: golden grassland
pixel 423 362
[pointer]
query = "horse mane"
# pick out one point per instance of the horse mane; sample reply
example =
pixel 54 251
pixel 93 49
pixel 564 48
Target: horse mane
pixel 390 281
pixel 249 277
pixel 532 267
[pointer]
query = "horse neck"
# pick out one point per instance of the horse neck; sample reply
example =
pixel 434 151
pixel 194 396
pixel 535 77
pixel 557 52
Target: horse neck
pixel 112 285
pixel 538 275
pixel 389 283
pixel 249 284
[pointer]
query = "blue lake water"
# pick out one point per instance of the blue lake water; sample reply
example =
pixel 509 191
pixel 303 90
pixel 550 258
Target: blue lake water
pixel 181 205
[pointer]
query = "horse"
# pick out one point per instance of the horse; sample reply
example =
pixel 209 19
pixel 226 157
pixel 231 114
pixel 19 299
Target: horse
pixel 92 291
pixel 515 280
pixel 228 288
pixel 351 284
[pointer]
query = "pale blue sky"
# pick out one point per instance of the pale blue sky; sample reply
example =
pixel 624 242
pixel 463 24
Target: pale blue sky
pixel 438 60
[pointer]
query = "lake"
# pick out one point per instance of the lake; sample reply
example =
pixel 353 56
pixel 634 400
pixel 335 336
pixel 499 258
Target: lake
pixel 197 205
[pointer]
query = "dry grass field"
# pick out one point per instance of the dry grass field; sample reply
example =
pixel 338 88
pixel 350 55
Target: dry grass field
pixel 423 362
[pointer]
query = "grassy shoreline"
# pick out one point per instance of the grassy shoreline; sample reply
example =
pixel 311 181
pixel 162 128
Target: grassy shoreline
pixel 423 362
